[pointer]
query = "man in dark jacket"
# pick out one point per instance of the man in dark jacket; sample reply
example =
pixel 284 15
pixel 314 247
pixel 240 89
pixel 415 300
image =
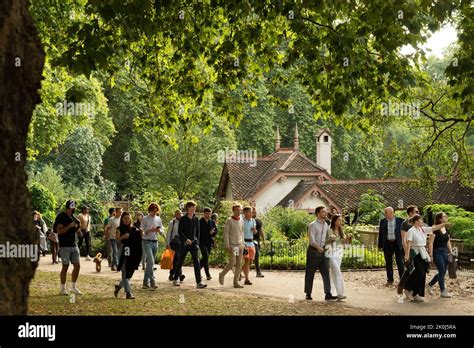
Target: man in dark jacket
pixel 390 242
pixel 206 233
pixel 188 232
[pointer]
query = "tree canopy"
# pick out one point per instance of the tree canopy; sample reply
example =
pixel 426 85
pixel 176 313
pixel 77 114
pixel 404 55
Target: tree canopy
pixel 174 68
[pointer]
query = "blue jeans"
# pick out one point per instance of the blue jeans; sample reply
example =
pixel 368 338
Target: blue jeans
pixel 440 258
pixel 115 254
pixel 149 248
pixel 125 283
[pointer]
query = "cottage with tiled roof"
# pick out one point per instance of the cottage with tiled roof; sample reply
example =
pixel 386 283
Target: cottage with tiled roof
pixel 290 179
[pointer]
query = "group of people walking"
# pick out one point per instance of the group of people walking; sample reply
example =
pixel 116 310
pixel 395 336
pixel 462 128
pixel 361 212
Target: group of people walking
pixel 413 244
pixel 129 244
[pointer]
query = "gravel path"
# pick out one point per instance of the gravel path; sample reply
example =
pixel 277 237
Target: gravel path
pixel 364 289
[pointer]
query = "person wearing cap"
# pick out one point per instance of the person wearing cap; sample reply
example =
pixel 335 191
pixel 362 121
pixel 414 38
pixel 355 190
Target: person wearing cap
pixel 66 225
pixel 85 220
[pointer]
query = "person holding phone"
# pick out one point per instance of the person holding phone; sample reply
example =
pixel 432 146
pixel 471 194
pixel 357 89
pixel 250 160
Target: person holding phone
pixel 67 226
pixel 151 226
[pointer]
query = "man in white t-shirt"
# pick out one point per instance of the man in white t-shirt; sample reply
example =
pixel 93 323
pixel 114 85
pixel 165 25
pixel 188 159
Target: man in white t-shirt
pixel 111 230
pixel 151 226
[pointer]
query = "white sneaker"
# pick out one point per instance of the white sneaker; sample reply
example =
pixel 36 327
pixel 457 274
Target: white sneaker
pixel 76 291
pixel 176 282
pixel 445 294
pixel 88 258
pixel 341 297
pixel 418 298
pixel 408 295
pixel 64 292
pixel 430 289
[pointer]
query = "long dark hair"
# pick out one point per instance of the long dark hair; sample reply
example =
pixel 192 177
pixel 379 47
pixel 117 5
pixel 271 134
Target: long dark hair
pixel 122 225
pixel 438 218
pixel 414 219
pixel 333 224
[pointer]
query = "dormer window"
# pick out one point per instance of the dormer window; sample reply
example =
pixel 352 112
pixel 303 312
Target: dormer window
pixel 326 138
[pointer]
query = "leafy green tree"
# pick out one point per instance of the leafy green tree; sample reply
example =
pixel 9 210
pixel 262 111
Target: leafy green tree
pixel 192 169
pixel 42 199
pixel 51 179
pixel 80 157
pixel 256 131
pixel 371 207
pixel 67 102
pixel 293 224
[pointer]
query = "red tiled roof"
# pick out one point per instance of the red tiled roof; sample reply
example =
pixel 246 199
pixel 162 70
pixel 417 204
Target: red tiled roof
pixel 346 194
pixel 300 189
pixel 243 176
pixel 245 180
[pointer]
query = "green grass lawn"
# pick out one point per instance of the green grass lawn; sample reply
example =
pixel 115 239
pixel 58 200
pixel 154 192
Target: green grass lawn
pixel 98 299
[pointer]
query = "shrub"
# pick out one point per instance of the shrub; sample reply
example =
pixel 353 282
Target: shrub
pixel 42 199
pixel 285 223
pixel 49 218
pixel 168 202
pixel 371 207
pixel 97 246
pixel 97 210
pixel 451 210
pixel 460 225
pixel 51 179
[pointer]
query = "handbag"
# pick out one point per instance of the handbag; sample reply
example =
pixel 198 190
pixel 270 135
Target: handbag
pixel 167 259
pixel 452 265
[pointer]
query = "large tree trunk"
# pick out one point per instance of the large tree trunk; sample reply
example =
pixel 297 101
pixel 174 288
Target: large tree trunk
pixel 19 87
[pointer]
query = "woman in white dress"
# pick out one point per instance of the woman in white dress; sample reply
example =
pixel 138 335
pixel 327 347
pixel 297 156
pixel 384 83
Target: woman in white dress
pixel 334 251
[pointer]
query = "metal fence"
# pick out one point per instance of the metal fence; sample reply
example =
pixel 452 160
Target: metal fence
pixel 291 255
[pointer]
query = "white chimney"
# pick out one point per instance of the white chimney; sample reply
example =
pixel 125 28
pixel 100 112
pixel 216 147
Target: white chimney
pixel 323 149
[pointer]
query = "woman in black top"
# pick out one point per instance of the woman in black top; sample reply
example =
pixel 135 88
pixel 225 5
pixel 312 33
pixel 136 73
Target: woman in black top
pixel 139 220
pixel 138 224
pixel 440 246
pixel 131 239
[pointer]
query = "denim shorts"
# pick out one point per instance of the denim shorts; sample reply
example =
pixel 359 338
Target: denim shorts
pixel 69 254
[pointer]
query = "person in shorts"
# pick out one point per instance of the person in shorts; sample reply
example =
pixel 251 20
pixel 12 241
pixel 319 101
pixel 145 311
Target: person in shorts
pixel 67 226
pixel 250 228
